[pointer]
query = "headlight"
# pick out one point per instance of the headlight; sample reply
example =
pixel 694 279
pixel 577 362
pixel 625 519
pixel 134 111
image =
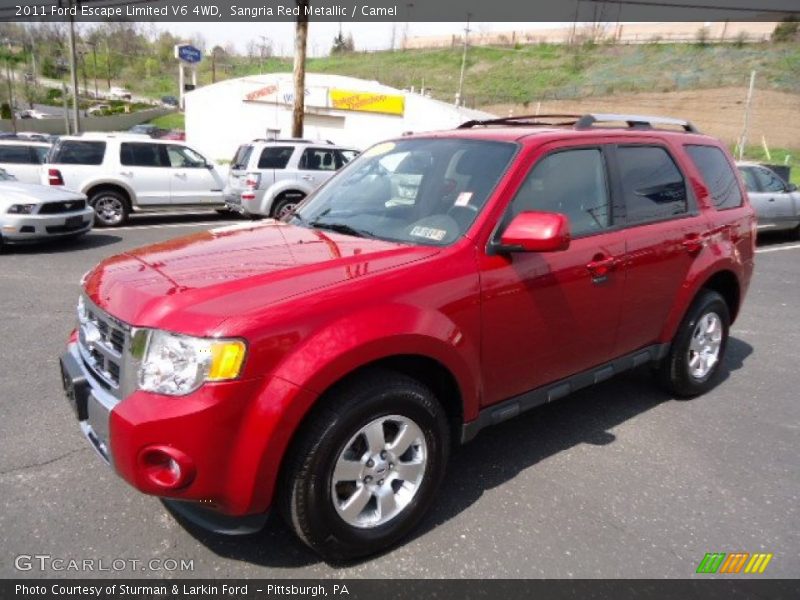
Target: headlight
pixel 21 209
pixel 177 365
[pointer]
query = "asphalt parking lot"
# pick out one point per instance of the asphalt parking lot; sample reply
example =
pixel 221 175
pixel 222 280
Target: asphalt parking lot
pixel 620 480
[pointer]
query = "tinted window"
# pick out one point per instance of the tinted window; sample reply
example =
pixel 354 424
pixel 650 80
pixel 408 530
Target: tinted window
pixel 769 181
pixel 573 183
pixel 275 157
pixel 242 157
pixel 16 154
pixel 317 159
pixel 652 186
pixel 142 155
pixel 40 153
pixel 749 179
pixel 717 175
pixel 74 152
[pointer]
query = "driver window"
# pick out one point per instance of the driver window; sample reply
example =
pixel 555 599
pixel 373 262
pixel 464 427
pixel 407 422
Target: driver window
pixel 570 182
pixel 770 182
pixel 181 157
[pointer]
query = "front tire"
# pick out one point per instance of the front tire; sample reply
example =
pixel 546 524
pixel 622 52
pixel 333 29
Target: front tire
pixel 285 204
pixel 366 467
pixel 694 362
pixel 110 208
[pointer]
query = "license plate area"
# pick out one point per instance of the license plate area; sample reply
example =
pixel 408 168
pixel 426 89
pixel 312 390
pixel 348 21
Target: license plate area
pixel 74 222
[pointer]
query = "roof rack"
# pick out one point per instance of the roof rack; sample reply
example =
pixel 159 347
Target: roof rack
pixel 633 121
pixel 294 141
pixel 582 121
pixel 523 120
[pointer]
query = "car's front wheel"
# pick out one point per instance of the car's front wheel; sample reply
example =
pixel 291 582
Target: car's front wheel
pixel 366 466
pixel 693 364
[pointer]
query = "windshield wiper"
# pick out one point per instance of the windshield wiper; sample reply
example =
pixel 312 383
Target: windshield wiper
pixel 340 228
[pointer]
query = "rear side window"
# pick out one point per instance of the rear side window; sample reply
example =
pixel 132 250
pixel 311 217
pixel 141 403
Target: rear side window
pixel 75 152
pixel 717 175
pixel 40 153
pixel 16 155
pixel 242 157
pixel 142 155
pixel 652 185
pixel 318 159
pixel 275 157
pixel 571 182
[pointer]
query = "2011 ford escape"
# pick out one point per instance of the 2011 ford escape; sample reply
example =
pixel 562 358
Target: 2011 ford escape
pixel 440 283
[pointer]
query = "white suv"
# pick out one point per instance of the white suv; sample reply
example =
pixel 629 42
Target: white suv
pixel 270 177
pixel 120 173
pixel 23 158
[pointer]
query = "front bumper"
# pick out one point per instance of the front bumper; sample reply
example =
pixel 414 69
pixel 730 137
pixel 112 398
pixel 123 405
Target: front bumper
pixel 29 228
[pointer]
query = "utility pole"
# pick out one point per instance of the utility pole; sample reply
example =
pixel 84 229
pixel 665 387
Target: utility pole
pixel 10 80
pixel 73 71
pixel 743 140
pixel 300 42
pixel 459 95
pixel 93 46
pixel 66 108
pixel 264 40
pixel 108 65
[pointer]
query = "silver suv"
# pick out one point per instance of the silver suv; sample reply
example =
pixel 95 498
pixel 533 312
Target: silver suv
pixel 269 177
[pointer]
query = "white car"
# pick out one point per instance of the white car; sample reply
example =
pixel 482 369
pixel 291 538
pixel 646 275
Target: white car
pixel 119 93
pixel 23 158
pixel 97 109
pixel 777 203
pixel 122 173
pixel 32 212
pixel 34 114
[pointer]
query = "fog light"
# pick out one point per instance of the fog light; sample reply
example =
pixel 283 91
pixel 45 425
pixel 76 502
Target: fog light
pixel 166 468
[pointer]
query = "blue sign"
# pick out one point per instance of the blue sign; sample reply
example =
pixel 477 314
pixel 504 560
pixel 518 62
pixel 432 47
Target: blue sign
pixel 189 54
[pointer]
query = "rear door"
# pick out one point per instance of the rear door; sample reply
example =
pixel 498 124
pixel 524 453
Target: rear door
pixel 144 166
pixel 664 231
pixel 272 163
pixel 194 180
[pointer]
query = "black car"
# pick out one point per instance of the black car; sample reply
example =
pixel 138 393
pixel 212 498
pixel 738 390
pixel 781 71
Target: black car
pixel 169 100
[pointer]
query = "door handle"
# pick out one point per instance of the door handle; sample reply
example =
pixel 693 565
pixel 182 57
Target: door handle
pixel 600 265
pixel 181 175
pixel 307 177
pixel 771 200
pixel 126 173
pixel 693 243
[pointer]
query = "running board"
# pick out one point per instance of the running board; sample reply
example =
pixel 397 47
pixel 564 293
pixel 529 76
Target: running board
pixel 512 407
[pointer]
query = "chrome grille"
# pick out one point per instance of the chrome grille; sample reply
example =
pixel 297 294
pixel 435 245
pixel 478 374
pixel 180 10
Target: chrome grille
pixel 102 341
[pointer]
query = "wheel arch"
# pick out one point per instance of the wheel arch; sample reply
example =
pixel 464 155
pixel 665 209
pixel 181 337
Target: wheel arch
pixel 116 186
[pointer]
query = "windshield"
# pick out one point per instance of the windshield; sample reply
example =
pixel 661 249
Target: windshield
pixel 421 191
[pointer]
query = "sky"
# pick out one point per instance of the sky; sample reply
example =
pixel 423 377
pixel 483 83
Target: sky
pixel 367 36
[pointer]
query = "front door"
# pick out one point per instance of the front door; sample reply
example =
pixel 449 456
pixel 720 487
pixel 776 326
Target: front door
pixel 550 315
pixel 194 181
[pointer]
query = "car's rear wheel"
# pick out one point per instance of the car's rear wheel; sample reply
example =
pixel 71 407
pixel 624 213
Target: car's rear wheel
pixel 366 466
pixel 694 362
pixel 110 208
pixel 285 204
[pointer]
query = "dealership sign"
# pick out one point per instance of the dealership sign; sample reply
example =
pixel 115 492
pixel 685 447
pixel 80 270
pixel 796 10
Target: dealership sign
pixel 188 54
pixel 333 98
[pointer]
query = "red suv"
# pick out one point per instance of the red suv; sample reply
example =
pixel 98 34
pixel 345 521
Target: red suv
pixel 325 365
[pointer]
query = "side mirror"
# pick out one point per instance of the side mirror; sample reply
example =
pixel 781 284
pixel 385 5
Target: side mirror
pixel 536 232
pixel 792 187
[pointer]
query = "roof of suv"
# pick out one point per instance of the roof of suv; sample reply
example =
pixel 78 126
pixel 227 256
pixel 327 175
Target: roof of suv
pixel 569 126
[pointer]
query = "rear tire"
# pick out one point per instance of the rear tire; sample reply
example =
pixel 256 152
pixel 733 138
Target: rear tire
pixel 285 204
pixel 694 362
pixel 366 466
pixel 110 208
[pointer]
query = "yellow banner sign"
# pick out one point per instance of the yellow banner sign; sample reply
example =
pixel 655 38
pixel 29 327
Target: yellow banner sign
pixel 367 102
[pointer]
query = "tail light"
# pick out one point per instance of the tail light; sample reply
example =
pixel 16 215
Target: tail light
pixel 54 177
pixel 252 180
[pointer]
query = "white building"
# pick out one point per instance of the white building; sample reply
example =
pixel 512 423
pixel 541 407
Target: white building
pixel 345 110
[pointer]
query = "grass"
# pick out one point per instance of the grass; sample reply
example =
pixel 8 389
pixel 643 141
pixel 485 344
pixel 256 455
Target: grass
pixel 171 121
pixel 778 156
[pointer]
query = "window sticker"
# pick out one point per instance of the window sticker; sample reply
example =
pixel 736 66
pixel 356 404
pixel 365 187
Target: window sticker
pixel 463 199
pixel 430 233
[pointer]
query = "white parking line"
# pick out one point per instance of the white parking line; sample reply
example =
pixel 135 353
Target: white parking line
pixel 778 249
pixel 168 225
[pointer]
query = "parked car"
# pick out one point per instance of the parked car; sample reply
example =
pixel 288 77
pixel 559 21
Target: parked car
pixel 169 100
pixel 154 131
pixel 34 114
pixel 23 158
pixel 124 173
pixel 270 177
pixel 174 134
pixel 777 203
pixel 119 93
pixel 98 109
pixel 321 366
pixel 33 212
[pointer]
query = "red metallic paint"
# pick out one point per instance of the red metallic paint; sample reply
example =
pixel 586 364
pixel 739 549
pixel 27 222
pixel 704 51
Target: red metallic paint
pixel 537 232
pixel 315 306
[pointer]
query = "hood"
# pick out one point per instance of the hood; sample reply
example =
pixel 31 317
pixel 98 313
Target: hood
pixel 192 284
pixel 14 192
